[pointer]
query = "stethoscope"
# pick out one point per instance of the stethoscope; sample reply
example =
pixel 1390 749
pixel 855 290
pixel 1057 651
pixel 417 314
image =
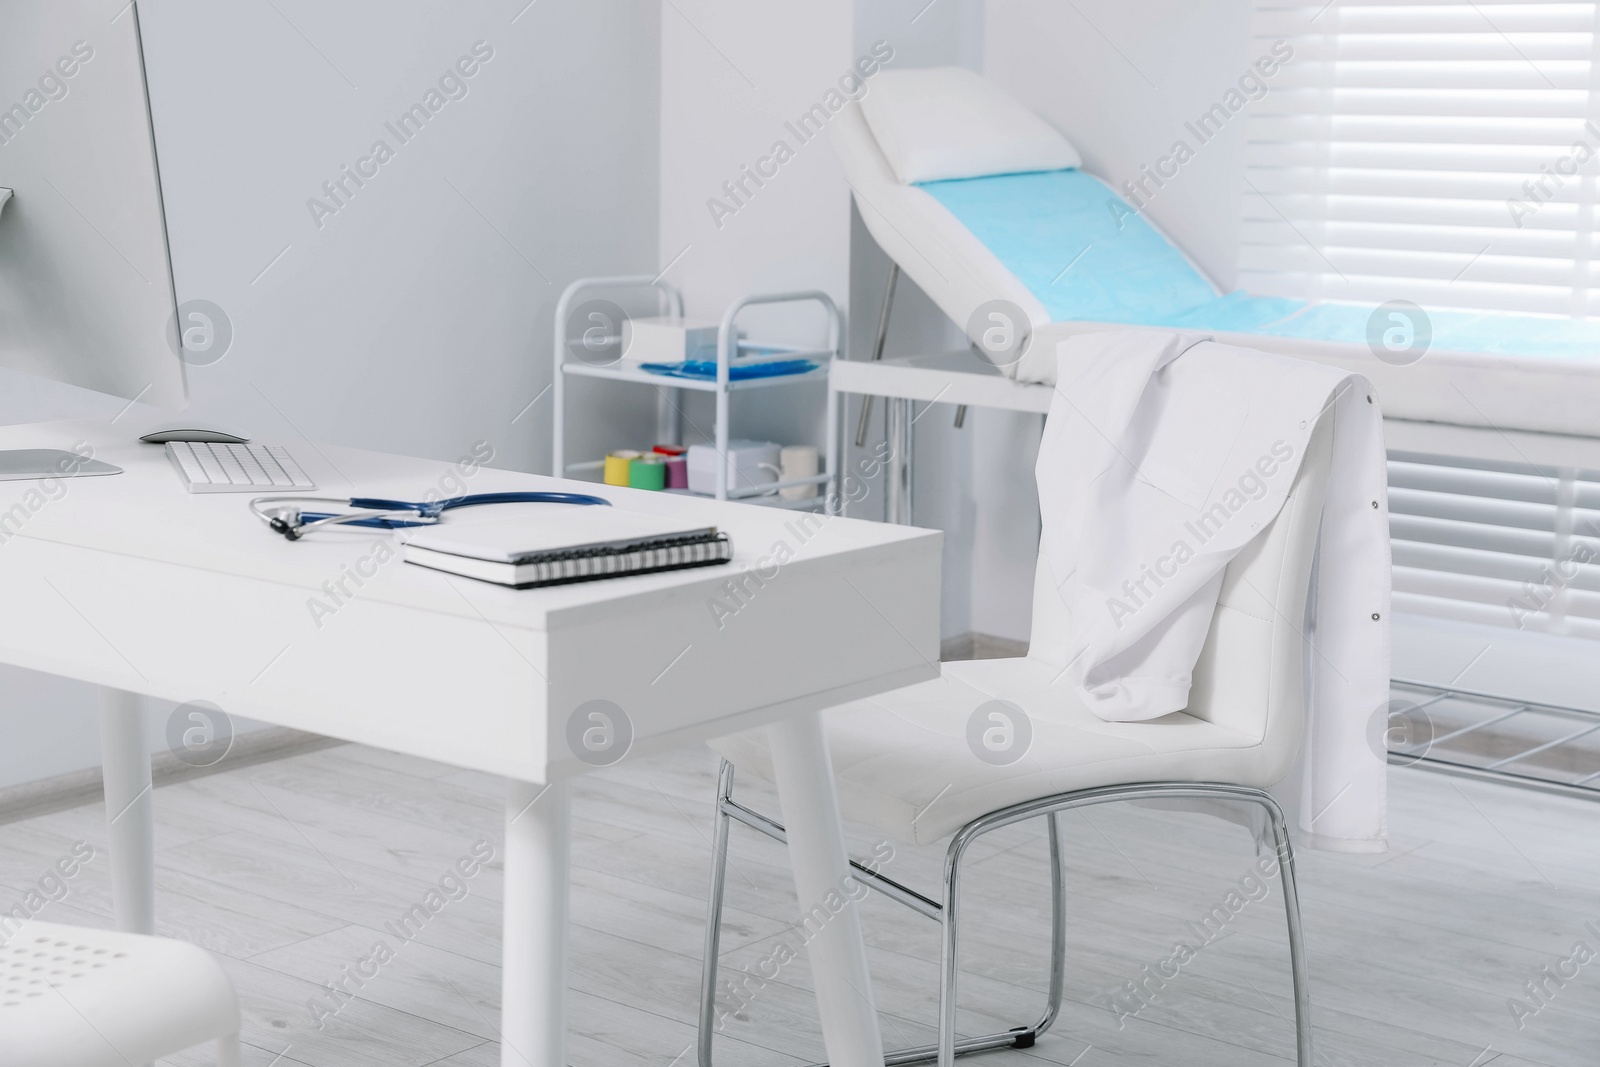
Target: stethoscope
pixel 284 514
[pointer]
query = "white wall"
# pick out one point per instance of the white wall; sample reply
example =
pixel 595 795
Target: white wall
pixel 945 33
pixel 418 318
pixel 1119 78
pixel 732 75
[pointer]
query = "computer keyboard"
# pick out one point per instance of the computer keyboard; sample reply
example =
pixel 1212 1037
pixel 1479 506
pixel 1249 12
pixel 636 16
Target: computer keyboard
pixel 208 467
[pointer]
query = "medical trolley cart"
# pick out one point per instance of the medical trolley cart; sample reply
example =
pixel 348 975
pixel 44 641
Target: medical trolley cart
pixel 729 350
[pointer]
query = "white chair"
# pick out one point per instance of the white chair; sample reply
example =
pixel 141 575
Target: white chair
pixel 76 997
pixel 904 765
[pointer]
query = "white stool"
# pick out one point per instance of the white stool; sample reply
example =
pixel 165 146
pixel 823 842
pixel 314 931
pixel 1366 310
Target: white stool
pixel 76 997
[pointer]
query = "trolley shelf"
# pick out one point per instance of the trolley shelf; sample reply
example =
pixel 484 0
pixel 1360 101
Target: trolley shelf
pixel 700 385
pixel 766 495
pixel 728 347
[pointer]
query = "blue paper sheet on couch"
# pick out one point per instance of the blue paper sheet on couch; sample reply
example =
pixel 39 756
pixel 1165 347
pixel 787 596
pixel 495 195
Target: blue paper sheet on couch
pixel 1089 257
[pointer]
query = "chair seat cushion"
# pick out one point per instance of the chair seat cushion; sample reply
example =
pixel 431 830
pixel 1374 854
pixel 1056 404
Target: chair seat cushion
pixel 908 762
pixel 77 997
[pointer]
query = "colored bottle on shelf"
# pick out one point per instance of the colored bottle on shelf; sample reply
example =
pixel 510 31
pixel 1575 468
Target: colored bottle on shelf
pixel 649 471
pixel 618 466
pixel 677 465
pixel 677 472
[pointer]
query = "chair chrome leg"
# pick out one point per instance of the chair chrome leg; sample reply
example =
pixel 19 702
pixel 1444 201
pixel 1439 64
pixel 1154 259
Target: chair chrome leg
pixel 713 942
pixel 948 1046
pixel 949 944
pixel 1297 949
pixel 1058 929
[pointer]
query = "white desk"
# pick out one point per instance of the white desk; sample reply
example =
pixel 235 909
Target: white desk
pixel 131 583
pixel 955 377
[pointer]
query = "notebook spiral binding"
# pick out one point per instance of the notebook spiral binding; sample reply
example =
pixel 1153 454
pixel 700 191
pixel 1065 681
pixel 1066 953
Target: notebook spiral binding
pixel 658 554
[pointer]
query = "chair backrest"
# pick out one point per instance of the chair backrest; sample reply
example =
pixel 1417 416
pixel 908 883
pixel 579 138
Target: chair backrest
pixel 1250 676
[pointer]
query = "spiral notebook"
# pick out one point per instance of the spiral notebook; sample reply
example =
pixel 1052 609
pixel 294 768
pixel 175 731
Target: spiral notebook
pixel 577 545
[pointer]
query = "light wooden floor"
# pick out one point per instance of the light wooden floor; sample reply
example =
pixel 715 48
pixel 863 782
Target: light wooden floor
pixel 290 870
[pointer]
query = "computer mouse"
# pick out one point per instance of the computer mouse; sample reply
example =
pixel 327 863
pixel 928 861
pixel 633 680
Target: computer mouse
pixel 193 433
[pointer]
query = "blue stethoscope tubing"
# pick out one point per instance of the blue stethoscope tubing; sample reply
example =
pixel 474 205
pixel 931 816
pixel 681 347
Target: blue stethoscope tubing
pixel 294 523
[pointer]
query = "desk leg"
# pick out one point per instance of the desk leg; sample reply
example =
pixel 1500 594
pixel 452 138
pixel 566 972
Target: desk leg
pixel 130 811
pixel 817 853
pixel 533 984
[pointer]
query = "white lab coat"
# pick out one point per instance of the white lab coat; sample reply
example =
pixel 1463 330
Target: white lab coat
pixel 1164 455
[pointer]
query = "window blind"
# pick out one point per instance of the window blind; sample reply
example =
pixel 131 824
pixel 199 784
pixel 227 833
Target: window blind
pixel 1504 544
pixel 1438 152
